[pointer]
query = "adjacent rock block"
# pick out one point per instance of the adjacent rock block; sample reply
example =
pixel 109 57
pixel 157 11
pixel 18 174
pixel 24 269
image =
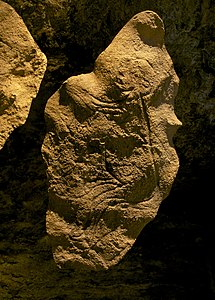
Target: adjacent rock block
pixel 22 66
pixel 109 149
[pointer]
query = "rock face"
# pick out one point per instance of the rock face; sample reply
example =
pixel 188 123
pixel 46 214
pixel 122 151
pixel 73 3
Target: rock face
pixel 22 66
pixel 109 147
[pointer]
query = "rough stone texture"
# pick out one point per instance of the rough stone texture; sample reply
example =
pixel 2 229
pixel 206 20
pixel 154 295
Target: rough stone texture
pixel 109 147
pixel 174 257
pixel 22 67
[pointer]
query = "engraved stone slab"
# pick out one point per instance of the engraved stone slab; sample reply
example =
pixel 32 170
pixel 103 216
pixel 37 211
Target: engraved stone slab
pixel 109 149
pixel 22 66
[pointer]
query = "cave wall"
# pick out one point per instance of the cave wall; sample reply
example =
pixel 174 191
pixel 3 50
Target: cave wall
pixel 173 257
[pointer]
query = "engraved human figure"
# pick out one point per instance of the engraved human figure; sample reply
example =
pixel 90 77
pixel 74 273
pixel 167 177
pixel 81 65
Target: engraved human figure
pixel 109 149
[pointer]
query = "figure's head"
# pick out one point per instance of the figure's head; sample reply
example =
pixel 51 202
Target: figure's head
pixel 113 160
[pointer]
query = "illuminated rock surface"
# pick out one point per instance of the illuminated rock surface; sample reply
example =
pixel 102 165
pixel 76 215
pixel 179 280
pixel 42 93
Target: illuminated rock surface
pixel 174 256
pixel 22 66
pixel 109 147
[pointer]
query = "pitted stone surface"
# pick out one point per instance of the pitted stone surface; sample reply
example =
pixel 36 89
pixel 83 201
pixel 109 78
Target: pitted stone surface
pixel 22 66
pixel 109 149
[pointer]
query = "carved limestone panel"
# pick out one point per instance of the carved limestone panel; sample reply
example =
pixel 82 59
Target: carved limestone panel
pixel 108 148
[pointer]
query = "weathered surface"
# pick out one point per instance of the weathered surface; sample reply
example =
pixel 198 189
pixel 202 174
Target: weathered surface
pixel 174 258
pixel 109 147
pixel 22 66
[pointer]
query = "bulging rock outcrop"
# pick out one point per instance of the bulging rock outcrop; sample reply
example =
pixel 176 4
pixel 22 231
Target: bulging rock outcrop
pixel 22 66
pixel 108 147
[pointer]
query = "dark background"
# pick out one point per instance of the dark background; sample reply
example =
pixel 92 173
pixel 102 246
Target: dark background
pixel 174 256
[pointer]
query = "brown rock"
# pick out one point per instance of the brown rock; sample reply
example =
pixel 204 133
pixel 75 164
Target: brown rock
pixel 22 66
pixel 109 147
